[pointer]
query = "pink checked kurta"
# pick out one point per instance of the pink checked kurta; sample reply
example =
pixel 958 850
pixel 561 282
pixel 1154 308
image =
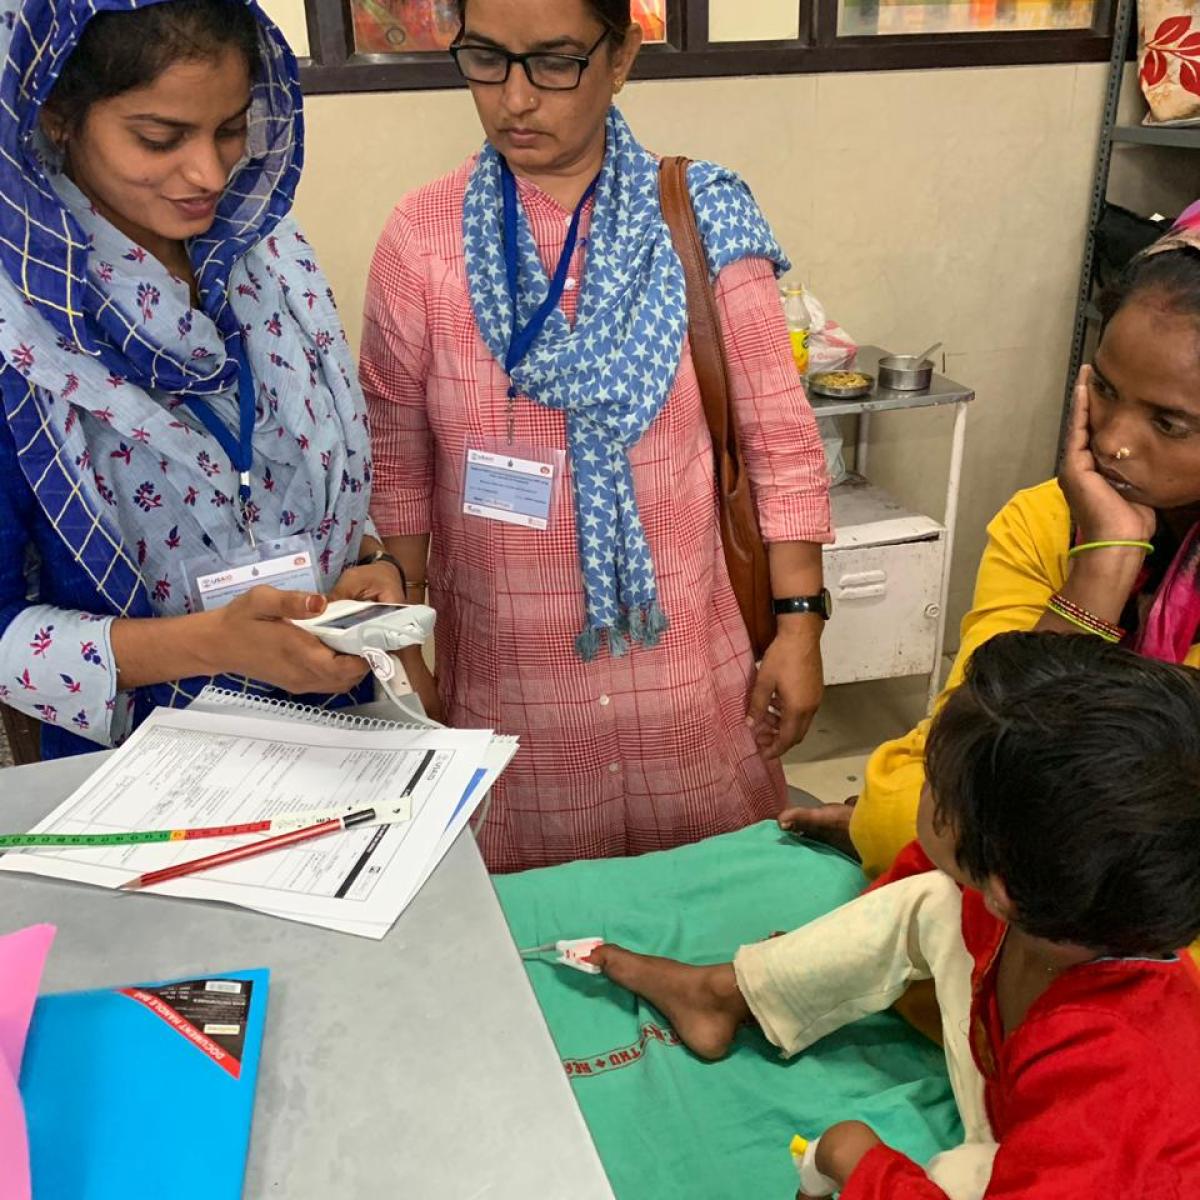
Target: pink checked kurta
pixel 619 755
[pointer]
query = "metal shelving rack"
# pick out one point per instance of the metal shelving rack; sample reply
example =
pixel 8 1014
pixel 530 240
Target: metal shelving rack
pixel 1177 137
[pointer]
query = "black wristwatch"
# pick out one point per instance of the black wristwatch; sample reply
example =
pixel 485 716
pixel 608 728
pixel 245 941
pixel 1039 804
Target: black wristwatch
pixel 369 560
pixel 820 604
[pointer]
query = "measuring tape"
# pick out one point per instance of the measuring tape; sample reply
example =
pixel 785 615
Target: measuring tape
pixel 33 841
pixel 393 813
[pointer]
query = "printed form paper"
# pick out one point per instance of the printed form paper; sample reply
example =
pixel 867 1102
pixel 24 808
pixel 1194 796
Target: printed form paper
pixel 498 756
pixel 183 769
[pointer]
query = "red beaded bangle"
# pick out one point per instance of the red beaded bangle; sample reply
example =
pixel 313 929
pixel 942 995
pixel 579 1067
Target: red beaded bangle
pixel 1077 615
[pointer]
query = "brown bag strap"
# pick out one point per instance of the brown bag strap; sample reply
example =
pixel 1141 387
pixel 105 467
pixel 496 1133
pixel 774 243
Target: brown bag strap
pixel 704 325
pixel 741 540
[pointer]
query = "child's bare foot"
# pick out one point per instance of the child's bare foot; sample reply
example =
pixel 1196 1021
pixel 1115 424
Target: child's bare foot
pixel 828 823
pixel 703 1004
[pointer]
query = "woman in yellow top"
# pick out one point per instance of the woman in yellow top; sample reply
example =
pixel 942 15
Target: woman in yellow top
pixel 1112 546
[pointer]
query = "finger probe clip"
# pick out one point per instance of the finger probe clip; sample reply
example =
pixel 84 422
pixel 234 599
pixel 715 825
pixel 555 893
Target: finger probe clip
pixel 572 952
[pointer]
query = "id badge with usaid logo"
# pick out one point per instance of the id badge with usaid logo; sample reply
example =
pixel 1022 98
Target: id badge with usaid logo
pixel 289 564
pixel 512 485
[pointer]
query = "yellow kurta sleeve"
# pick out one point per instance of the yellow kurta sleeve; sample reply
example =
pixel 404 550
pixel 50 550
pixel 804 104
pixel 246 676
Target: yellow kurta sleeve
pixel 1024 564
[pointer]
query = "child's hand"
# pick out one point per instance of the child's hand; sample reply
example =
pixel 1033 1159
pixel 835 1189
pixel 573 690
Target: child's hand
pixel 841 1148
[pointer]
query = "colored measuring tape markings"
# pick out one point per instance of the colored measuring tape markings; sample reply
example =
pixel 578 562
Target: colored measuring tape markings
pixel 83 841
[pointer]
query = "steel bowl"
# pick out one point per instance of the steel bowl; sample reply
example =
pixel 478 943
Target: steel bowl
pixel 905 372
pixel 822 384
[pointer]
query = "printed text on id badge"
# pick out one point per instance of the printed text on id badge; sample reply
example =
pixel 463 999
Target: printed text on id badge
pixel 503 487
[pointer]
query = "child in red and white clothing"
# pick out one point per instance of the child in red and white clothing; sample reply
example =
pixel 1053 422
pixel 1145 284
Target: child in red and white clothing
pixel 1054 878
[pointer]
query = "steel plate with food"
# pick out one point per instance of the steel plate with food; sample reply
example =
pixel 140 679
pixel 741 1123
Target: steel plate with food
pixel 841 385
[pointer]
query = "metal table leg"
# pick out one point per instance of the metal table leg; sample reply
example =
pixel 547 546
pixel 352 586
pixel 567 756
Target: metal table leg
pixel 860 446
pixel 951 520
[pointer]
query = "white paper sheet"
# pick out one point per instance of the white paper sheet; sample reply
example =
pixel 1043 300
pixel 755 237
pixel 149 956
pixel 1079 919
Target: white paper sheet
pixel 499 755
pixel 184 768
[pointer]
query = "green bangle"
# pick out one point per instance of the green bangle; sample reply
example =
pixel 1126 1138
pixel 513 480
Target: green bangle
pixel 1075 550
pixel 1082 626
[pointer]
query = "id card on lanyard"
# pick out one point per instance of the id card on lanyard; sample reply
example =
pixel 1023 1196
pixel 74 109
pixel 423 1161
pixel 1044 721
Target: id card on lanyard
pixel 286 563
pixel 289 564
pixel 506 483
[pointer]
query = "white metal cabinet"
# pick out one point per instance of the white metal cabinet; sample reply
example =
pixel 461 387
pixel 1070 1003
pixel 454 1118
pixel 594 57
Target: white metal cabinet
pixel 889 569
pixel 884 573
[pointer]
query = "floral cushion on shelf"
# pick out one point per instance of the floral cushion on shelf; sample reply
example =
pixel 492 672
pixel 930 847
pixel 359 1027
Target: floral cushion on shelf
pixel 1169 58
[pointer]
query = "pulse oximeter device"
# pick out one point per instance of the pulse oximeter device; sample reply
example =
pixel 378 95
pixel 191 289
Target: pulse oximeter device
pixel 374 631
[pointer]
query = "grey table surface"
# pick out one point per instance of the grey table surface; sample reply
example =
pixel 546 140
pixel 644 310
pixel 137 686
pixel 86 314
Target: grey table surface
pixel 416 1067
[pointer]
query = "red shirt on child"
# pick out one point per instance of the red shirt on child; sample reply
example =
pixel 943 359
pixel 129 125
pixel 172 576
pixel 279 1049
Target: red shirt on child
pixel 1097 1091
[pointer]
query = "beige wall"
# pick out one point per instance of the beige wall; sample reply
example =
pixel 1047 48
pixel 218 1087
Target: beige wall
pixel 917 205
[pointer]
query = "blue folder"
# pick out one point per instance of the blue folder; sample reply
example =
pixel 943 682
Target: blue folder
pixel 144 1093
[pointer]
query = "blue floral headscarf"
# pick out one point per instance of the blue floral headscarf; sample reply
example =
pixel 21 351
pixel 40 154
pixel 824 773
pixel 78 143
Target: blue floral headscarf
pixel 94 325
pixel 44 252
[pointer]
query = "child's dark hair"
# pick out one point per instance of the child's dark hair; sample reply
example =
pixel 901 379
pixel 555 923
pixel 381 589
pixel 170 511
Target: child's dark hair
pixel 1172 277
pixel 614 15
pixel 119 51
pixel 1069 769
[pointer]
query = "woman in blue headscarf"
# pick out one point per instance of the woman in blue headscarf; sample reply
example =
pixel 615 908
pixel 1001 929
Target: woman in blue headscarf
pixel 179 408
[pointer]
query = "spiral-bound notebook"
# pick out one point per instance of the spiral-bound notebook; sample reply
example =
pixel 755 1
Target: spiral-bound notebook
pixel 230 759
pixel 383 714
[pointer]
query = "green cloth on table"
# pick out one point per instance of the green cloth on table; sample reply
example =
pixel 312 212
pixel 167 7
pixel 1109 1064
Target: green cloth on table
pixel 668 1124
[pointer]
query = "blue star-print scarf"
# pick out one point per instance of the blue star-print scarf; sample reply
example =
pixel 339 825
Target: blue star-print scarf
pixel 612 372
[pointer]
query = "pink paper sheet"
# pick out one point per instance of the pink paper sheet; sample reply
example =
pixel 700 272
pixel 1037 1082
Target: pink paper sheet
pixel 22 957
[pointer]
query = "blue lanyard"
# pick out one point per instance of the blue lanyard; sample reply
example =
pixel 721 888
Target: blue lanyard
pixel 241 450
pixel 522 339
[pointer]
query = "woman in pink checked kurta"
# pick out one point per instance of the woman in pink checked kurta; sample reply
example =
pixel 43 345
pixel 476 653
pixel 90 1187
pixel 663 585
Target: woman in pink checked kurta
pixel 619 754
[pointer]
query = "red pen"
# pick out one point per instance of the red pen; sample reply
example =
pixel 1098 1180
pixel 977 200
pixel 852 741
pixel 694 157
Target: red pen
pixel 279 842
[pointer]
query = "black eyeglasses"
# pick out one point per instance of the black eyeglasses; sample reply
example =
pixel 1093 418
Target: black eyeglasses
pixel 550 72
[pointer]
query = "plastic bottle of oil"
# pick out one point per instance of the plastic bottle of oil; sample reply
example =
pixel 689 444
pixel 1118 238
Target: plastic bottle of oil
pixel 799 322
